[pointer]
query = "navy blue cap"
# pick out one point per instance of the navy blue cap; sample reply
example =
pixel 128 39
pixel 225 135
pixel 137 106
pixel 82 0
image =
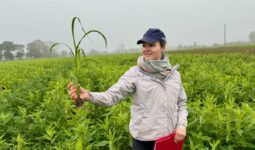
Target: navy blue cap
pixel 152 35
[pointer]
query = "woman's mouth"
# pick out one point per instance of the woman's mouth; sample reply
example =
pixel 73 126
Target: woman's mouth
pixel 147 54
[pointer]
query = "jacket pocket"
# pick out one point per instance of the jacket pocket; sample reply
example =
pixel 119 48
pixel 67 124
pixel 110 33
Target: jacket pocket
pixel 149 128
pixel 164 124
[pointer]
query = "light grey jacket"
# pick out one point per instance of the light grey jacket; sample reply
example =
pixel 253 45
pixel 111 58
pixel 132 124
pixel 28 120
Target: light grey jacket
pixel 158 107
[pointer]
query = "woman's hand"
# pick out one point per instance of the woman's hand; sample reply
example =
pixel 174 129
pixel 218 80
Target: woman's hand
pixel 72 92
pixel 180 134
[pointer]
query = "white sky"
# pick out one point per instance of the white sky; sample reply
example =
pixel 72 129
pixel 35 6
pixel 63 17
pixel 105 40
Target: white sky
pixel 183 22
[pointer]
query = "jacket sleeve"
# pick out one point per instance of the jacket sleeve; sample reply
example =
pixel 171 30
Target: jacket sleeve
pixel 117 92
pixel 182 109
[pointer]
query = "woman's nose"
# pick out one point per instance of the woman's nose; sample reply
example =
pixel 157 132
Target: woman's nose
pixel 146 48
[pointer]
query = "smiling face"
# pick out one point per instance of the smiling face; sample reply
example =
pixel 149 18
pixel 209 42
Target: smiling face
pixel 152 51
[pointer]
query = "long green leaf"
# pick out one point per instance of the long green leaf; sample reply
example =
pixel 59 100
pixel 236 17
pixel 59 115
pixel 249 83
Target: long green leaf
pixel 55 44
pixel 93 31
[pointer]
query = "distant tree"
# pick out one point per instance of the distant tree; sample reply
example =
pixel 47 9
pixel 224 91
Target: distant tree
pixel 252 37
pixel 121 48
pixel 94 52
pixel 64 53
pixel 8 55
pixel 6 50
pixel 179 46
pixel 215 45
pixel 37 49
pixel 20 51
pixel 1 52
pixel 69 53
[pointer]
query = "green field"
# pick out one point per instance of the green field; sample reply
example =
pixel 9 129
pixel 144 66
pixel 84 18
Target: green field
pixel 37 113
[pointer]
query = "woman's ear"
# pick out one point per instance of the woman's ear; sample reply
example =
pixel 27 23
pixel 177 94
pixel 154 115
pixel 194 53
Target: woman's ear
pixel 162 49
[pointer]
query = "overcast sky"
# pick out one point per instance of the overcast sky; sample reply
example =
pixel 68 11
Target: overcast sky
pixel 125 21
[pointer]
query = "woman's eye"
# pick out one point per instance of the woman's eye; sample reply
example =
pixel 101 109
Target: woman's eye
pixel 148 45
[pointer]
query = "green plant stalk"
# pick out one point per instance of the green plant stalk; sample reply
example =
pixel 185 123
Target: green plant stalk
pixel 77 56
pixel 78 102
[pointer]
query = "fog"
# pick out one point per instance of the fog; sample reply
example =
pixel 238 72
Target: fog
pixel 124 22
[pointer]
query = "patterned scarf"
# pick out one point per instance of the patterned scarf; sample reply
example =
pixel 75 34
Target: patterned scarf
pixel 159 69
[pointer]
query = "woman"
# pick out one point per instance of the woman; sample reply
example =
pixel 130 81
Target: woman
pixel 159 99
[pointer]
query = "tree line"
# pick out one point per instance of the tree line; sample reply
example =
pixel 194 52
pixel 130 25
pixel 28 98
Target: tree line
pixel 39 49
pixel 34 49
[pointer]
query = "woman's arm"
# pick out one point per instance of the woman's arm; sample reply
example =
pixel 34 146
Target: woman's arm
pixel 180 130
pixel 117 92
pixel 182 109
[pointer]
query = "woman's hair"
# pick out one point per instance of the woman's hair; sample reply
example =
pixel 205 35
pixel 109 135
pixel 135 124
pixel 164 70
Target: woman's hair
pixel 162 44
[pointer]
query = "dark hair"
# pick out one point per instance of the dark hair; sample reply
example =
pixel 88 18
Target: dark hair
pixel 162 44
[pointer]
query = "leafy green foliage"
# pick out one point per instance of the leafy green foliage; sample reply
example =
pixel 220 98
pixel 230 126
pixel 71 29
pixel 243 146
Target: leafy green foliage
pixel 37 113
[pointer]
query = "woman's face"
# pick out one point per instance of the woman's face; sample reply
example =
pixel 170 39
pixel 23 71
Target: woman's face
pixel 152 51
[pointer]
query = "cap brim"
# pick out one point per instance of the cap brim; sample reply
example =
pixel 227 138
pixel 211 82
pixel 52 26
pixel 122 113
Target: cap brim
pixel 148 40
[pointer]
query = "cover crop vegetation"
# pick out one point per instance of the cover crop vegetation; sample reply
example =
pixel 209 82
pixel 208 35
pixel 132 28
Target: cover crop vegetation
pixel 37 113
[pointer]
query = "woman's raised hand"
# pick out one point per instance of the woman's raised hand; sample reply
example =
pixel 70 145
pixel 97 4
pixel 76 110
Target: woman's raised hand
pixel 72 92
